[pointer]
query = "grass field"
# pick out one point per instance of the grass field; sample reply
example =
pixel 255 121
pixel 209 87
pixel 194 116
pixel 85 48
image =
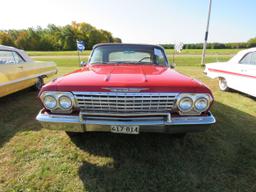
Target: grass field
pixel 168 51
pixel 221 159
pixel 180 60
pixel 56 53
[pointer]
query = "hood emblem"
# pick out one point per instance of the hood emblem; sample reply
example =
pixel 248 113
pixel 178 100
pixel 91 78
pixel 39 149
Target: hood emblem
pixel 126 90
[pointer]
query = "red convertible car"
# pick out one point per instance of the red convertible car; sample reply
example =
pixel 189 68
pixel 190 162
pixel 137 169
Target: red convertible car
pixel 126 88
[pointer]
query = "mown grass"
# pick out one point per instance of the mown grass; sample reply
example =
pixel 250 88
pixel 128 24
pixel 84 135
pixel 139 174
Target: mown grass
pixel 221 159
pixel 56 53
pixel 168 51
pixel 181 60
pixel 208 51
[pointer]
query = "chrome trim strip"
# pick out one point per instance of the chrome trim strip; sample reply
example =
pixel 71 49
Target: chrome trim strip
pixel 128 101
pixel 125 94
pixel 28 78
pixel 125 90
pixel 123 114
pixel 50 118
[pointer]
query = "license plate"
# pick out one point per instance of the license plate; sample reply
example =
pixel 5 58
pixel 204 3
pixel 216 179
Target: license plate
pixel 124 129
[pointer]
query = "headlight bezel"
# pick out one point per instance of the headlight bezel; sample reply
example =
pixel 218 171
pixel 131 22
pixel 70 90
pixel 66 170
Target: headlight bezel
pixel 205 108
pixel 195 97
pixel 44 102
pixel 57 95
pixel 182 100
pixel 70 100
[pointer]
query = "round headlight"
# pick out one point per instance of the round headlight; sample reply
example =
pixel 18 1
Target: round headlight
pixel 50 102
pixel 185 104
pixel 65 102
pixel 201 104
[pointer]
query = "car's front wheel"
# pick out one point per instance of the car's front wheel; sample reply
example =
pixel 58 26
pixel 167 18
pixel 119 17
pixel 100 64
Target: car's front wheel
pixel 39 83
pixel 223 84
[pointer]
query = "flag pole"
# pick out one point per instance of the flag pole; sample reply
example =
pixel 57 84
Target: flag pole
pixel 80 47
pixel 206 33
pixel 79 59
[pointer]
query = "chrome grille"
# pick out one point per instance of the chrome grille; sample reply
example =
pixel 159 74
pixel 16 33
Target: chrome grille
pixel 125 102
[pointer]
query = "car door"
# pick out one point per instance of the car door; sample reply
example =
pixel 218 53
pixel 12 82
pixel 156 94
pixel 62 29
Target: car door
pixel 241 75
pixel 247 66
pixel 36 69
pixel 12 76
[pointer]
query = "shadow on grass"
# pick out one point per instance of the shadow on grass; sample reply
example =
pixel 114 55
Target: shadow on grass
pixel 242 94
pixel 18 109
pixel 221 159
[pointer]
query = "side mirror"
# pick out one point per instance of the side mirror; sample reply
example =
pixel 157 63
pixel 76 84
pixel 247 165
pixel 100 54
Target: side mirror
pixel 83 63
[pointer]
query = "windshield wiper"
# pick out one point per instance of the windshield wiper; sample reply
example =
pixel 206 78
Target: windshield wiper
pixel 104 63
pixel 141 60
pixel 125 62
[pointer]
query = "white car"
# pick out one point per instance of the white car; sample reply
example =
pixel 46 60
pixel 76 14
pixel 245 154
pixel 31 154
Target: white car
pixel 239 73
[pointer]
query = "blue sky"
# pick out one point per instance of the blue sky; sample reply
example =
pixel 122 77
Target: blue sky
pixel 140 21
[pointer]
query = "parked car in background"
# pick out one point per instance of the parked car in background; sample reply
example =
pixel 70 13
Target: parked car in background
pixel 238 73
pixel 18 71
pixel 126 88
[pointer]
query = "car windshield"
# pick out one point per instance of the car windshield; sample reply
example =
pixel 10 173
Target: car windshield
pixel 128 54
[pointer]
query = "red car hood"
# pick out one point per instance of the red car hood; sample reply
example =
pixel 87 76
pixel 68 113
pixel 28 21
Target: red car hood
pixel 99 77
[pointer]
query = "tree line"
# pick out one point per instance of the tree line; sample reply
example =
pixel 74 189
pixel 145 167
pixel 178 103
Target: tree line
pixel 240 45
pixel 56 38
pixel 59 38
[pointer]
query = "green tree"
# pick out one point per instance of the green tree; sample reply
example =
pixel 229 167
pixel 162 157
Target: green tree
pixel 117 40
pixel 56 37
pixel 22 40
pixel 5 39
pixel 252 42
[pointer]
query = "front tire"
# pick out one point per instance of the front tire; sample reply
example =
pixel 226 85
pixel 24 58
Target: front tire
pixel 39 83
pixel 223 84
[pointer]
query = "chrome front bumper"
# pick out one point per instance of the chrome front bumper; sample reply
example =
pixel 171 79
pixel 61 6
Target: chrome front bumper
pixel 169 125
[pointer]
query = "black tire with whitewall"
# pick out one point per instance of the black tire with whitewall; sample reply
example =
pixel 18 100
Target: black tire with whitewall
pixel 223 84
pixel 39 83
